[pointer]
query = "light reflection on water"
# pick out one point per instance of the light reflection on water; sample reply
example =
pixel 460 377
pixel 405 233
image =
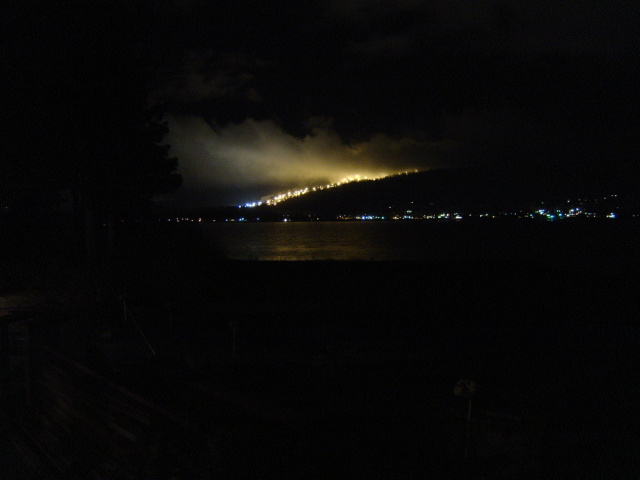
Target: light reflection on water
pixel 296 241
pixel 601 245
pixel 329 241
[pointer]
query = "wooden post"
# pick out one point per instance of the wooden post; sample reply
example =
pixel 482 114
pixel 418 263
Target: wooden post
pixel 5 359
pixel 468 439
pixel 28 362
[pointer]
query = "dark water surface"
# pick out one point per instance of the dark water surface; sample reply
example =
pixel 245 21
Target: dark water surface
pixel 596 244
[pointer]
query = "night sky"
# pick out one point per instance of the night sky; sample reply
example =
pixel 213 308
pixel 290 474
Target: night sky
pixel 262 96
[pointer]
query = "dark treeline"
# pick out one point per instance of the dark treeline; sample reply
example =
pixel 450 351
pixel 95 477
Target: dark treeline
pixel 80 139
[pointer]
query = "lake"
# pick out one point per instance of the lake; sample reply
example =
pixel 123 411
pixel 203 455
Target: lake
pixel 565 243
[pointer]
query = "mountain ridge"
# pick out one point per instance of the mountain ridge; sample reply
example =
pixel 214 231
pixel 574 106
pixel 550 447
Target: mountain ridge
pixel 453 189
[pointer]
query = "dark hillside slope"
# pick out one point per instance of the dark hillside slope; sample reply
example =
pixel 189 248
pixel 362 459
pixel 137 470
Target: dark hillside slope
pixel 464 189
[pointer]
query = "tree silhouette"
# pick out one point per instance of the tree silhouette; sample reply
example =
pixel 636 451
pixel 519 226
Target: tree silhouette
pixel 79 123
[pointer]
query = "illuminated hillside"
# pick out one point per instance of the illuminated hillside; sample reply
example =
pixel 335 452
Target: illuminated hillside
pixel 290 194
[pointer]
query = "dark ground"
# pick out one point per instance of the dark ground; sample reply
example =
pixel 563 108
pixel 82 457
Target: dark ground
pixel 347 369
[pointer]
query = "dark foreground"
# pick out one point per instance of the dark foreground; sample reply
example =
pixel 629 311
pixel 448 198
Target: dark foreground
pixel 226 369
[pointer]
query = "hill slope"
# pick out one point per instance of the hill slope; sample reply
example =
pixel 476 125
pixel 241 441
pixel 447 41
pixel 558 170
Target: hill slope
pixel 462 189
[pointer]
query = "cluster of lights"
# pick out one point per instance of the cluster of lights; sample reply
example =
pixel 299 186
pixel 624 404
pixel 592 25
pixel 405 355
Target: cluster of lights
pixel 559 214
pixel 187 220
pixel 555 214
pixel 587 208
pixel 405 216
pixel 281 197
pixel 361 217
pixel 440 216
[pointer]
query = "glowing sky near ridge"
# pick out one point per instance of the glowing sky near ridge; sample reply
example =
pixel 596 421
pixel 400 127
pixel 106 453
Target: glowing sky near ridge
pixel 257 158
pixel 262 97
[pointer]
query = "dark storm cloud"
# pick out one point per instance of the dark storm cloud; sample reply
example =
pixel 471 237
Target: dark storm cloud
pixel 442 82
pixel 203 76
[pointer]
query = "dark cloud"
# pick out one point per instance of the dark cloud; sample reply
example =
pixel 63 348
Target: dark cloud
pixel 255 158
pixel 266 94
pixel 441 82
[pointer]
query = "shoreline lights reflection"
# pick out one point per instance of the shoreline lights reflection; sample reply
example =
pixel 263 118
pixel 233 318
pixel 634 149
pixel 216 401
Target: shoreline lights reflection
pixel 607 207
